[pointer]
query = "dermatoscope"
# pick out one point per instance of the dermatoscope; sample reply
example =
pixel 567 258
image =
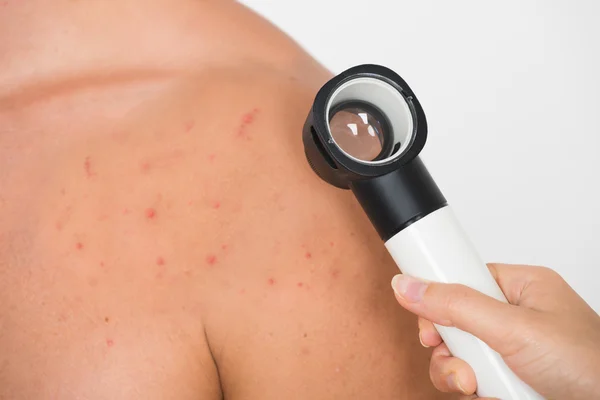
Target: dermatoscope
pixel 364 132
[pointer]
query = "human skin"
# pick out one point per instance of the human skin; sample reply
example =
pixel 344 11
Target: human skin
pixel 161 234
pixel 547 334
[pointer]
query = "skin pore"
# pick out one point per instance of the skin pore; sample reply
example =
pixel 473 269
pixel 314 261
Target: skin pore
pixel 161 234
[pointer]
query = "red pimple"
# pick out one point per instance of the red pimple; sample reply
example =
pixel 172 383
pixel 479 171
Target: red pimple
pixel 79 245
pixel 102 264
pixel 189 125
pixel 331 244
pixel 335 273
pixel 87 166
pixel 223 247
pixel 307 255
pixel 248 118
pixel 150 213
pixel 271 281
pixel 160 261
pixel 110 342
pixel 211 157
pixel 211 259
pixel 145 167
pixel 300 284
pixel 216 205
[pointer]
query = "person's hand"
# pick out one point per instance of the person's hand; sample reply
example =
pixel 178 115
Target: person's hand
pixel 547 335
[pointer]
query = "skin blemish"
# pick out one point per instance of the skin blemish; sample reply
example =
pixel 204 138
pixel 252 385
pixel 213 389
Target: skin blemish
pixel 211 157
pixel 305 335
pixel 223 247
pixel 126 211
pixel 247 120
pixel 211 259
pixel 102 264
pixel 160 261
pixel 110 342
pixel 145 167
pixel 106 319
pixel 242 291
pixel 87 166
pixel 150 213
pixel 63 192
pixel 335 273
pixel 271 281
pixel 308 255
pixel 189 125
pixel 331 244
pixel 216 205
pixel 300 284
pixel 79 246
pixel 93 282
pixel 305 351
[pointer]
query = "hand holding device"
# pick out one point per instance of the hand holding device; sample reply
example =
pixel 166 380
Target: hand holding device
pixel 551 340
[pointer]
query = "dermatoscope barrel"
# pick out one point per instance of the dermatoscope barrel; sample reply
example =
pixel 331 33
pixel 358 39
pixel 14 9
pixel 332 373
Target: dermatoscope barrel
pixel 364 133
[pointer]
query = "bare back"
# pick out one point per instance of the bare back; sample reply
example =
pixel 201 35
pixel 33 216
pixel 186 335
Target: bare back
pixel 161 234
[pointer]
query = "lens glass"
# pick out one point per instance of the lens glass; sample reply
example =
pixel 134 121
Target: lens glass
pixel 358 131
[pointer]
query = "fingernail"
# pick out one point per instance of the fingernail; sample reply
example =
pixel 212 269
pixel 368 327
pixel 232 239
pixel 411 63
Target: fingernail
pixel 410 289
pixel 421 340
pixel 454 384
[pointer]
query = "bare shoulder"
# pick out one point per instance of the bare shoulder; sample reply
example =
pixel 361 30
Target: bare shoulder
pixel 189 248
pixel 298 303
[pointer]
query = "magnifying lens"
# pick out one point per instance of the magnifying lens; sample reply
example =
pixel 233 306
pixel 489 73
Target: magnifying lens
pixel 364 133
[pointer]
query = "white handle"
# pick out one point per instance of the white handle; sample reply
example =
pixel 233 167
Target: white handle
pixel 437 249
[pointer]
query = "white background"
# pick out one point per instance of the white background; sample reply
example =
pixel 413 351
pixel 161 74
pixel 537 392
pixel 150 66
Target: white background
pixel 511 90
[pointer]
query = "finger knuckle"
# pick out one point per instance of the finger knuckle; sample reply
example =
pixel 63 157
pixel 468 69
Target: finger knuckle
pixel 455 299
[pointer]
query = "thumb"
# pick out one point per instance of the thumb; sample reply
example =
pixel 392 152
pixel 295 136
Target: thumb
pixel 496 323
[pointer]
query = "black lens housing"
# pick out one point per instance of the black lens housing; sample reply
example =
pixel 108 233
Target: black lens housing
pixel 323 154
pixel 394 193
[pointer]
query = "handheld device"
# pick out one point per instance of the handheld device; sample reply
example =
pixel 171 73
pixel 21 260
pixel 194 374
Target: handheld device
pixel 364 133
